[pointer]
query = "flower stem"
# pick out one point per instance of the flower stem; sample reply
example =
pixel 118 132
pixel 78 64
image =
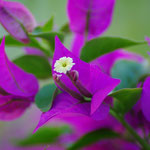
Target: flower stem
pixel 141 141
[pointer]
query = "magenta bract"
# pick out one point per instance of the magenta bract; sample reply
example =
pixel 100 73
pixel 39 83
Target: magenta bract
pixel 106 62
pixel 88 19
pixel 91 16
pixel 17 20
pixel 91 78
pixel 17 88
pixel 145 99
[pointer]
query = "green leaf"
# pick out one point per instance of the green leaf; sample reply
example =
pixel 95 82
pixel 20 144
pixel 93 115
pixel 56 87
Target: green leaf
pixel 48 25
pixel 125 99
pixel 65 28
pixel 128 72
pixel 49 36
pixel 103 45
pixel 46 135
pixel 37 65
pixel 93 137
pixel 33 43
pixel 143 77
pixel 37 30
pixel 44 97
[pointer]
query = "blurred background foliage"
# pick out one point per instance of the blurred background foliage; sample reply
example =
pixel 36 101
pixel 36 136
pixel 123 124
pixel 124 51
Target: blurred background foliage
pixel 131 20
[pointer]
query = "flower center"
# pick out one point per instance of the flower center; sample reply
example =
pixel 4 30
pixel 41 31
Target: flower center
pixel 63 65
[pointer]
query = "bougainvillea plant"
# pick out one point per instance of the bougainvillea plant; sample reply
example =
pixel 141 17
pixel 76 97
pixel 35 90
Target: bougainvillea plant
pixel 97 95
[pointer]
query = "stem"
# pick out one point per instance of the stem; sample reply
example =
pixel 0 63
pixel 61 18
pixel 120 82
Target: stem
pixel 141 141
pixel 83 91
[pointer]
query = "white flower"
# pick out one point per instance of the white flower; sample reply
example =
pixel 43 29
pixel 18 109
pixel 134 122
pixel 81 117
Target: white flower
pixel 63 65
